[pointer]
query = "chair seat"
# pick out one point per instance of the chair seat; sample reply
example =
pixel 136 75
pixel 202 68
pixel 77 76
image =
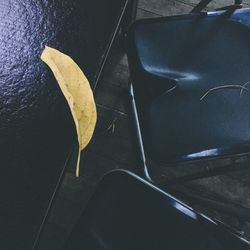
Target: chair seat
pixel 128 213
pixel 174 61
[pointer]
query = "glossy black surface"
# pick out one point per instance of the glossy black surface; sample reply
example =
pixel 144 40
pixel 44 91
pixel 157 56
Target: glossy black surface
pixel 129 213
pixel 37 133
pixel 174 61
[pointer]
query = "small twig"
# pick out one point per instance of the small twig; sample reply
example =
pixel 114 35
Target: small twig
pixel 242 87
pixel 241 91
pixel 112 125
pixel 113 128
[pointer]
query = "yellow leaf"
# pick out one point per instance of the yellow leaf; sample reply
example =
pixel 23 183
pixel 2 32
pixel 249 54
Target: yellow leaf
pixel 77 91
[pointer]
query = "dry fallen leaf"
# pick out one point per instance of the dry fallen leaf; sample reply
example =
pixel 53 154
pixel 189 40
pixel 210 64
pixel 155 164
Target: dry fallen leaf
pixel 76 89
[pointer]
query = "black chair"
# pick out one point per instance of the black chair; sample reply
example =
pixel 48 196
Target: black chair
pixel 127 212
pixel 189 85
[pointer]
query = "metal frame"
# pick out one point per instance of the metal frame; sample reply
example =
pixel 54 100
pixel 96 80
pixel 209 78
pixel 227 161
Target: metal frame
pixel 203 3
pixel 142 156
pixel 124 21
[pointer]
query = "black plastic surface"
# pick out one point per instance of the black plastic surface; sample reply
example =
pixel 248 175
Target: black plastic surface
pixel 174 61
pixel 128 213
pixel 37 132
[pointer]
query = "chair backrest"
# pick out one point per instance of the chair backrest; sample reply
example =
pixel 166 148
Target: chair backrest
pixel 129 213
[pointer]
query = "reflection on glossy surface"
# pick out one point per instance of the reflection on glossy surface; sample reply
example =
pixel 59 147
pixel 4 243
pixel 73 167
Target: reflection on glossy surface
pixel 205 153
pixel 184 210
pixel 36 128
